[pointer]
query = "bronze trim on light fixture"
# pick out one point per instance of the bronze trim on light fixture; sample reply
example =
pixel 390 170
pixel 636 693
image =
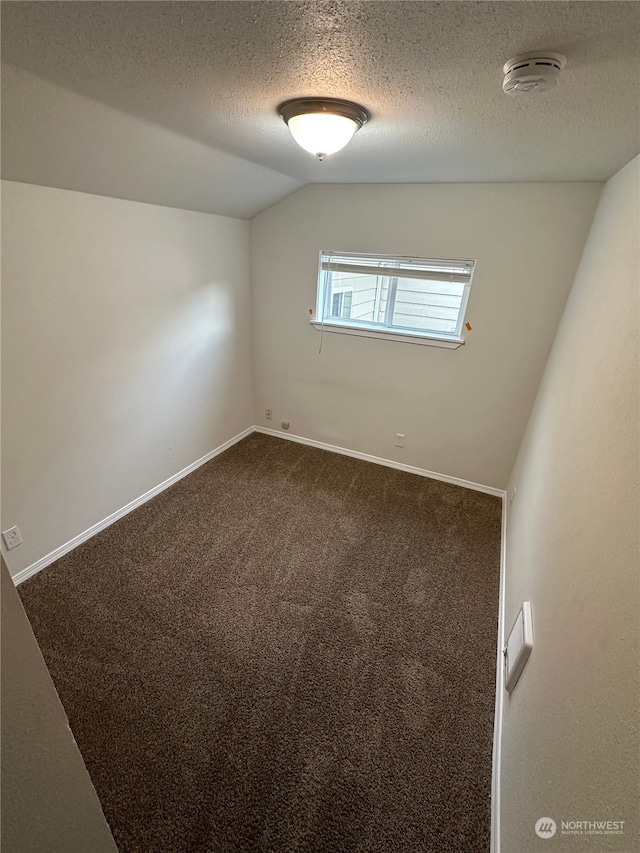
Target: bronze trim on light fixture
pixel 333 106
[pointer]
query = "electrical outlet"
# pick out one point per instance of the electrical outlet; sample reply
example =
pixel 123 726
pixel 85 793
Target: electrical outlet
pixel 268 413
pixel 12 538
pixel 285 424
pixel 399 439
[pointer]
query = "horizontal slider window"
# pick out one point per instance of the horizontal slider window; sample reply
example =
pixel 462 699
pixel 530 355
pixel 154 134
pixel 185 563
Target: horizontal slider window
pixel 394 295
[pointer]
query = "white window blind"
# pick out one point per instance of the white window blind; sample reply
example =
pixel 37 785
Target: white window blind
pixel 394 295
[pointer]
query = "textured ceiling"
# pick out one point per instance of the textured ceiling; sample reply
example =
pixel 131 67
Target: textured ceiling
pixel 56 138
pixel 430 73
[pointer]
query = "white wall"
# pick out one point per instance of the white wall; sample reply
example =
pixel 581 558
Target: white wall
pixel 570 735
pixel 48 801
pixel 126 354
pixel 463 411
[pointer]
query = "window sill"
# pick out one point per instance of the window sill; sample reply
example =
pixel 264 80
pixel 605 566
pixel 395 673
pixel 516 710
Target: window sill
pixel 404 337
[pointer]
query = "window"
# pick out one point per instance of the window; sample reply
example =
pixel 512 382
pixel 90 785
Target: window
pixel 415 299
pixel 341 301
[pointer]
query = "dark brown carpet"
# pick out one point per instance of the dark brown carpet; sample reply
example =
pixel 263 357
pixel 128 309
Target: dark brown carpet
pixel 289 650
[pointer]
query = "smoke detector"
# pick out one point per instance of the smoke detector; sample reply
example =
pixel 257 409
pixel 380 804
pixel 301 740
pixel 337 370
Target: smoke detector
pixel 532 72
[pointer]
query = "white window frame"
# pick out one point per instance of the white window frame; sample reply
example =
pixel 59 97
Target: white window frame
pixel 364 328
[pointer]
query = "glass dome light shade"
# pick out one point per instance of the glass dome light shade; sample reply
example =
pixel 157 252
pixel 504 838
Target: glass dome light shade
pixel 322 125
pixel 322 133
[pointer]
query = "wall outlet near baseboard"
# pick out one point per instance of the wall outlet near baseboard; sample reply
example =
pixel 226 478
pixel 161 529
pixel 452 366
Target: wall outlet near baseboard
pixel 399 439
pixel 268 413
pixel 285 424
pixel 12 538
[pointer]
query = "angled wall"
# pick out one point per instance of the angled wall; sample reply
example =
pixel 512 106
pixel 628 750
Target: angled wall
pixel 56 138
pixel 48 801
pixel 570 731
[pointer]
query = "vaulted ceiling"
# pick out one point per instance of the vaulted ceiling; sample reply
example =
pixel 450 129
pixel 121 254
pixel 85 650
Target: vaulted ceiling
pixel 175 103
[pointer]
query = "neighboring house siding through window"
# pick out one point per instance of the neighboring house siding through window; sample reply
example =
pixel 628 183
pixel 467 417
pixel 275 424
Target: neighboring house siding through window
pixel 384 294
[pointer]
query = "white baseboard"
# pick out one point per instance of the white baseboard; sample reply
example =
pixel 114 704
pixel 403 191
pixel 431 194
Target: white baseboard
pixel 54 555
pixel 497 724
pixel 490 490
pixel 45 561
pixel 379 460
pixel 389 463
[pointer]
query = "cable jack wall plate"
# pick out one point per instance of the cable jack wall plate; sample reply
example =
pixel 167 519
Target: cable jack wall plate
pixel 519 646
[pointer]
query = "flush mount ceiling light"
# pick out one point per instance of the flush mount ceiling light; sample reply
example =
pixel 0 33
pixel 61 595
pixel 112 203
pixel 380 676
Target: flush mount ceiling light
pixel 532 72
pixel 322 126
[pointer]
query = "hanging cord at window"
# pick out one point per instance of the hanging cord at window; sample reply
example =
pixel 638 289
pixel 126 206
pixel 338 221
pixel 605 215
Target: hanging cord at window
pixel 321 330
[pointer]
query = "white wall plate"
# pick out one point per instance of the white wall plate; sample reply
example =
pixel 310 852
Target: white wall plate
pixel 519 645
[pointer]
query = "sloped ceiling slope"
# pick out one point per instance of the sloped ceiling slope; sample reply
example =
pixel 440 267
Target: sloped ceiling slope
pixel 57 138
pixel 206 78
